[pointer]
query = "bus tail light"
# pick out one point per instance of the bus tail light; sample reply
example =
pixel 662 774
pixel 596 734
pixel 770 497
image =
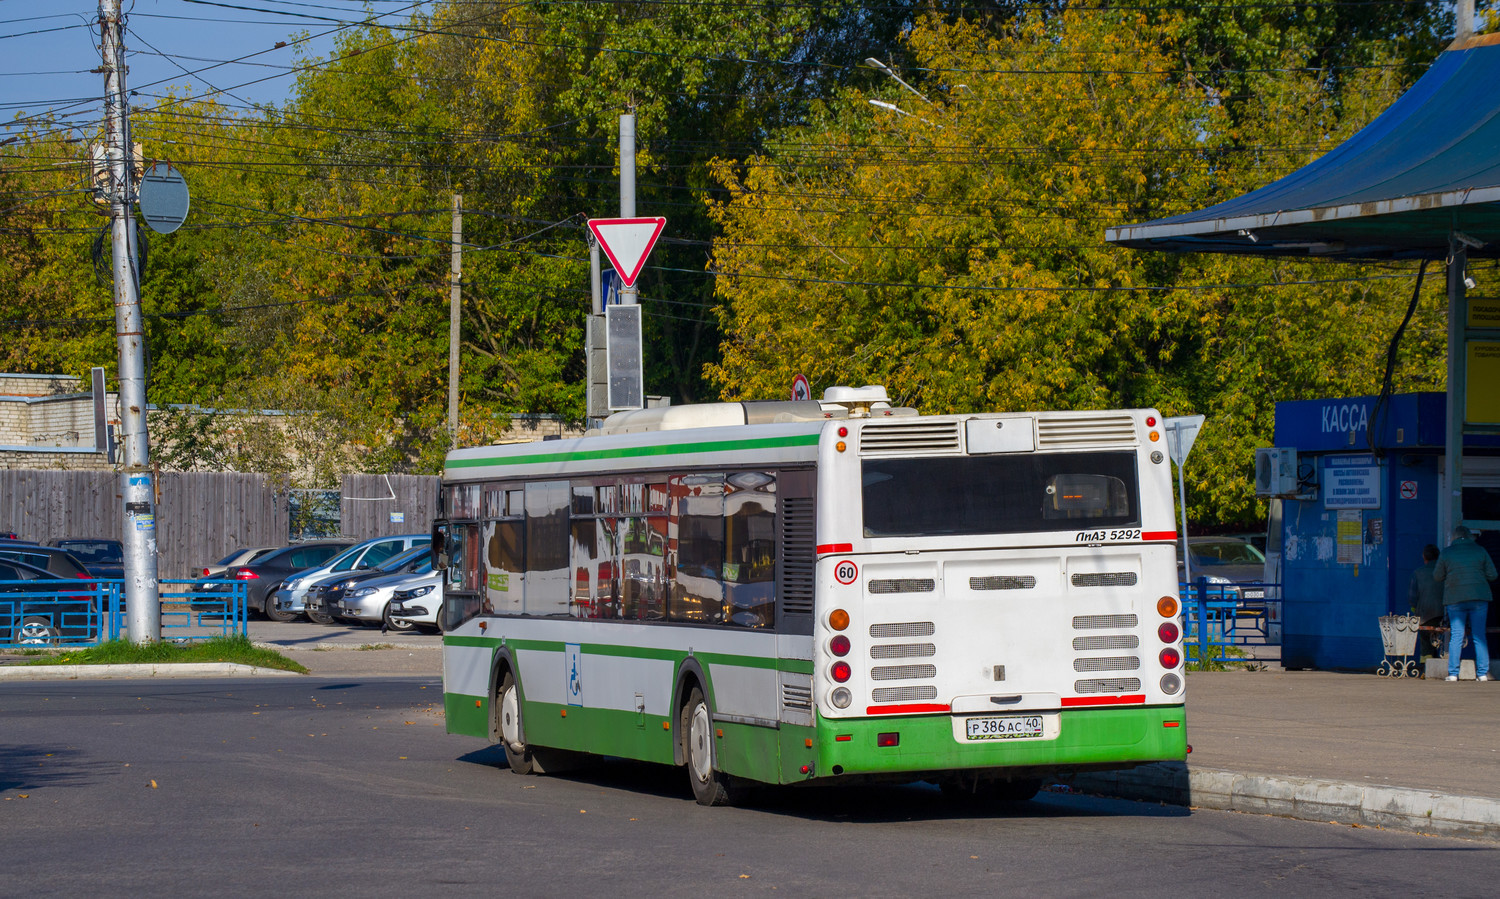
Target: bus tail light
pixel 1166 607
pixel 1168 632
pixel 1170 658
pixel 841 697
pixel 1170 684
pixel 840 671
pixel 838 619
pixel 887 740
pixel 839 645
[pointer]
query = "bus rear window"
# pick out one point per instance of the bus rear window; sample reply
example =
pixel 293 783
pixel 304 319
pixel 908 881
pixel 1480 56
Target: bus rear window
pixel 999 494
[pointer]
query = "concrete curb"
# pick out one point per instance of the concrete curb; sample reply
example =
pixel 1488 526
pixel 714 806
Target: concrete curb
pixel 1309 799
pixel 165 669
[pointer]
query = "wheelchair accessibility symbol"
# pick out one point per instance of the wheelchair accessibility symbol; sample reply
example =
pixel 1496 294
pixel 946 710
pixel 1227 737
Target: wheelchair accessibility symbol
pixel 575 674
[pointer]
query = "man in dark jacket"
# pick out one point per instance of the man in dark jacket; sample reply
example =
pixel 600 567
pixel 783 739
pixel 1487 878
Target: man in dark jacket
pixel 1426 596
pixel 1465 570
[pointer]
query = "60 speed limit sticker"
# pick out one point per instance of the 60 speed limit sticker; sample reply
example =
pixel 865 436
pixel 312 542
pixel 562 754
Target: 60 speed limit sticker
pixel 845 571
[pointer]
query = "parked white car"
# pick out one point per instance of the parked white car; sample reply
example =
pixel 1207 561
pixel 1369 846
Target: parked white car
pixel 419 606
pixel 370 601
pixel 291 598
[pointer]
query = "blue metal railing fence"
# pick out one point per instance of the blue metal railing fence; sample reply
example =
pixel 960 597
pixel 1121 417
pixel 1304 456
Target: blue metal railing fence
pixel 94 611
pixel 1216 617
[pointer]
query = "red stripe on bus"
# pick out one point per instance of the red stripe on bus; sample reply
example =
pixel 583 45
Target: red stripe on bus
pixel 1159 535
pixel 1103 700
pixel 826 548
pixel 912 709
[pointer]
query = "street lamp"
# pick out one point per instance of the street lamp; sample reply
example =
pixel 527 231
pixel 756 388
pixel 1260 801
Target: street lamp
pixel 896 109
pixel 875 63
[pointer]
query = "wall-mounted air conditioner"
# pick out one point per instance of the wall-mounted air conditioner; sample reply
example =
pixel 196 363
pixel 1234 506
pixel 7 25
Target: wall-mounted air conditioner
pixel 1276 471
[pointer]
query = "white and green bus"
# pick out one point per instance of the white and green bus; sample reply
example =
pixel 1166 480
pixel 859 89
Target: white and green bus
pixel 816 592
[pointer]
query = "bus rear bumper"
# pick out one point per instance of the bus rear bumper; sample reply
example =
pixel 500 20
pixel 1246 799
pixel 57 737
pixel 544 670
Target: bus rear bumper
pixel 1086 739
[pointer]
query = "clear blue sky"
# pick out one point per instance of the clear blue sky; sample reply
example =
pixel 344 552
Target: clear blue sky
pixel 49 47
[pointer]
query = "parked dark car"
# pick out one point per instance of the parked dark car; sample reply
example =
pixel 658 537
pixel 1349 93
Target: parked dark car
pixel 242 556
pixel 264 574
pixel 37 606
pixel 48 558
pixel 103 558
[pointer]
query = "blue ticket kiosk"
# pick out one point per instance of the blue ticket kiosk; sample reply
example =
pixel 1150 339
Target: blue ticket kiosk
pixel 1364 504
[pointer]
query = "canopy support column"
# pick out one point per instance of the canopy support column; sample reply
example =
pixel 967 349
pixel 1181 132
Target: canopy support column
pixel 1450 499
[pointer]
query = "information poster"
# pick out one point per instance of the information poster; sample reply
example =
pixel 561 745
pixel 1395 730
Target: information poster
pixel 1351 538
pixel 1351 482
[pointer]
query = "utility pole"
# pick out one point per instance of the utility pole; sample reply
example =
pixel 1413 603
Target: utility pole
pixel 142 588
pixel 455 292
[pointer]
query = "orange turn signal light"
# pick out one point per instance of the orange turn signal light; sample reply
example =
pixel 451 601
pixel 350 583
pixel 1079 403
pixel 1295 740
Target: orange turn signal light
pixel 838 619
pixel 1166 607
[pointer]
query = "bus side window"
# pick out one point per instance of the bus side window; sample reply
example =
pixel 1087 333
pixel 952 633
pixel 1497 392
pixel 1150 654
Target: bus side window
pixel 750 549
pixel 695 548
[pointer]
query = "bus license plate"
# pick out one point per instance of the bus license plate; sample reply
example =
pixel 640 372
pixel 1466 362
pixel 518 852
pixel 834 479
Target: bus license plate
pixel 1003 727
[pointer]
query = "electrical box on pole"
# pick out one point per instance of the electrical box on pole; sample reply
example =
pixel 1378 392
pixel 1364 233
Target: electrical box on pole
pixel 596 396
pixel 623 354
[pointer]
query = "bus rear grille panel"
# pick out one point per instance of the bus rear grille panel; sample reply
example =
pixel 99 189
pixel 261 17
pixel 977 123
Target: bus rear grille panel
pixel 903 672
pixel 904 694
pixel 1087 430
pixel 903 585
pixel 1107 685
pixel 1105 579
pixel 899 438
pixel 1107 641
pixel 1003 582
pixel 1096 622
pixel 904 629
pixel 902 650
pixel 1109 663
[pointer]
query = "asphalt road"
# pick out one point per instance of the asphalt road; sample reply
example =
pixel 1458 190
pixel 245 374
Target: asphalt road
pixel 330 786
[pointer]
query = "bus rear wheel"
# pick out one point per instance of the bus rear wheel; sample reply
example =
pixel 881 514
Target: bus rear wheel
pixel 710 787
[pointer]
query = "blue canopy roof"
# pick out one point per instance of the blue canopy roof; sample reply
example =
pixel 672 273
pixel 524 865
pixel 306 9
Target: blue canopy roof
pixel 1427 166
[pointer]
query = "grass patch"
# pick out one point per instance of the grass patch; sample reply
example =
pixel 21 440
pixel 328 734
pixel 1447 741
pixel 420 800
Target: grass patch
pixel 237 649
pixel 367 646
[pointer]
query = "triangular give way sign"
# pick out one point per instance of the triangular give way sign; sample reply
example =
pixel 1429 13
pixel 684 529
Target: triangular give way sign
pixel 627 242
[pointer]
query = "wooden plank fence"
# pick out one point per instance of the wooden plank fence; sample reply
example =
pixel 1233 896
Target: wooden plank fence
pixel 202 516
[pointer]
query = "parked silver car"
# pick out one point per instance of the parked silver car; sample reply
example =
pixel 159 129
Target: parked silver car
pixel 292 597
pixel 370 601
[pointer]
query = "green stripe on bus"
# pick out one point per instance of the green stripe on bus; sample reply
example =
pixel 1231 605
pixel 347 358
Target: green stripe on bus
pixel 628 452
pixel 793 666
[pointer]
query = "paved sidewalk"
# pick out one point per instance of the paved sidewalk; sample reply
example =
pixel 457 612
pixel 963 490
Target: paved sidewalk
pixel 1404 753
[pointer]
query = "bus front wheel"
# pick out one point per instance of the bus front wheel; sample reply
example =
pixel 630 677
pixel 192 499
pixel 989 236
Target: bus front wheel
pixel 710 787
pixel 508 708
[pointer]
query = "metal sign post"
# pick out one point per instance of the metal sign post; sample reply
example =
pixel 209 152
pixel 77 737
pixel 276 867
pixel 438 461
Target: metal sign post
pixel 1181 432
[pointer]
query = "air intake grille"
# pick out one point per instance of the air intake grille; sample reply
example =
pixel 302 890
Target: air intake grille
pixel 904 694
pixel 796 697
pixel 902 651
pixel 904 629
pixel 1105 579
pixel 1089 430
pixel 903 585
pixel 903 672
pixel 1107 685
pixel 1112 641
pixel 1115 663
pixel 1092 622
pixel 800 555
pixel 1003 582
pixel 897 438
